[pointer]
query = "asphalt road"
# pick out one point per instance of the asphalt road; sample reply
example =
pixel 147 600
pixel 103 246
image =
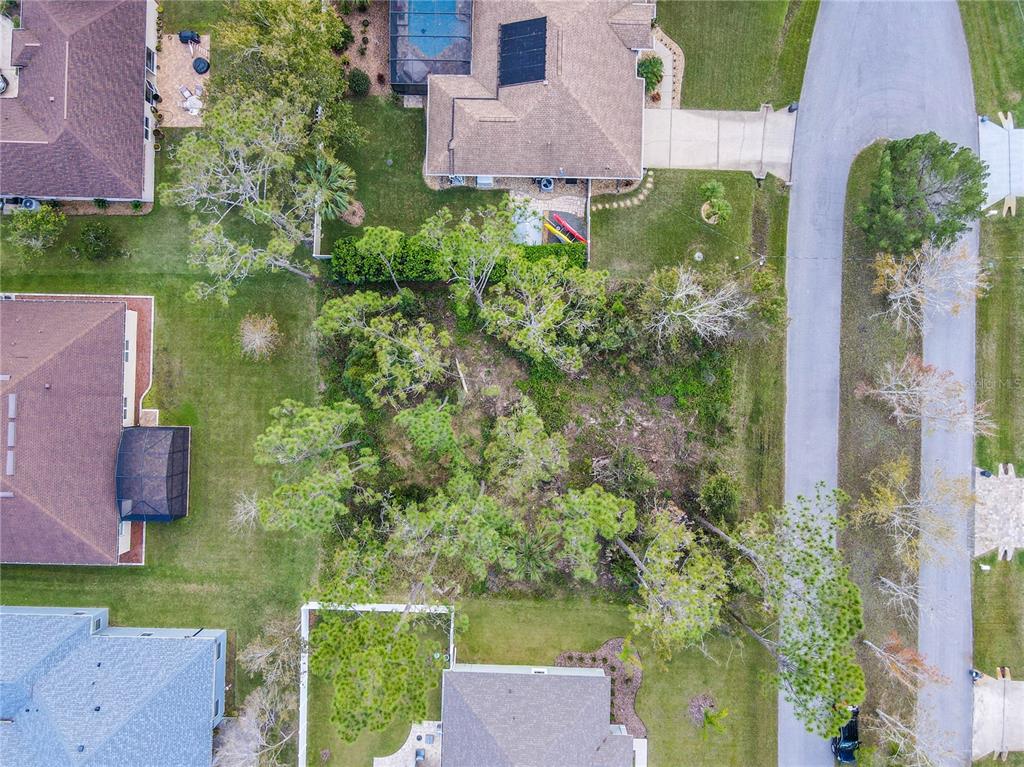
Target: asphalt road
pixel 885 69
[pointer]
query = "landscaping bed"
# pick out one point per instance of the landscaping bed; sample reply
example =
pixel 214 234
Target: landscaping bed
pixel 626 679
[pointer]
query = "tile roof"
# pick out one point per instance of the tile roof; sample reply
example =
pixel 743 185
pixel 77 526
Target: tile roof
pixel 585 120
pixel 502 719
pixel 63 508
pixel 84 700
pixel 90 61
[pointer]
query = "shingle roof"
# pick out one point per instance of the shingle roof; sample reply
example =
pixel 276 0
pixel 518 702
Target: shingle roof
pixel 154 696
pixel 65 365
pixel 91 61
pixel 585 120
pixel 500 719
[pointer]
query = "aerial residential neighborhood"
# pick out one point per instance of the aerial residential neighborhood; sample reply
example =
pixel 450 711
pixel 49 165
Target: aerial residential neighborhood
pixel 511 383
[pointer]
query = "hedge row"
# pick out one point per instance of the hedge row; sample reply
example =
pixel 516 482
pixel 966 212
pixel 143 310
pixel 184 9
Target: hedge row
pixel 418 262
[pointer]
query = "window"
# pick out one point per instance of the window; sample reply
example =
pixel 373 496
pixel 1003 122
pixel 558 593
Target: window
pixel 124 411
pixel 150 92
pixel 150 60
pixel 95 624
pixel 145 126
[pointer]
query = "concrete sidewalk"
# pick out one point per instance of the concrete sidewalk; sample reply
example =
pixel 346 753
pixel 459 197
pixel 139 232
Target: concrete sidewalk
pixel 695 139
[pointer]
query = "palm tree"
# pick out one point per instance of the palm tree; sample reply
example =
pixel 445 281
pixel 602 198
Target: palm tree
pixel 329 185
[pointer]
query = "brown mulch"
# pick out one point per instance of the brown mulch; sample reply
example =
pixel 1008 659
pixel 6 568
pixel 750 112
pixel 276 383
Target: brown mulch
pixel 88 208
pixel 375 61
pixel 354 214
pixel 626 681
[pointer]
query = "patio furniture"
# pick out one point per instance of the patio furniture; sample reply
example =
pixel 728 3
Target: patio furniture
pixel 199 89
pixel 188 36
pixel 201 65
pixel 185 92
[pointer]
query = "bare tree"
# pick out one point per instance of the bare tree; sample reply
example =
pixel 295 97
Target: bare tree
pixel 245 515
pixel 904 663
pixel 920 524
pixel 901 595
pixel 916 390
pixel 677 304
pixel 259 335
pixel 917 744
pixel 268 718
pixel 931 278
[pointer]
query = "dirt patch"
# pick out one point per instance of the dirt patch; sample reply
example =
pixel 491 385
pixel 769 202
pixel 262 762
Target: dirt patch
pixel 626 680
pixel 657 430
pixel 374 59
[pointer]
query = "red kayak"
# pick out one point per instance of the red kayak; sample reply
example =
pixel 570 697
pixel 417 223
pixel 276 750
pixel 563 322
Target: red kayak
pixel 565 225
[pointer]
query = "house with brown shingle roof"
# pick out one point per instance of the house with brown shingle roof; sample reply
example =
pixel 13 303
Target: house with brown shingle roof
pixel 552 91
pixel 79 77
pixel 80 478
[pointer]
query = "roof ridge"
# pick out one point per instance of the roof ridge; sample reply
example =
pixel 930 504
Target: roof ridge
pixel 116 5
pixel 597 124
pixel 146 700
pixel 10 384
pixel 74 533
pixel 484 728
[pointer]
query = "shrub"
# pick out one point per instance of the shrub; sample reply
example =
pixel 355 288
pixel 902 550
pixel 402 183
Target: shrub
pixel 97 242
pixel 719 210
pixel 258 335
pixel 652 69
pixel 36 230
pixel 416 262
pixel 720 498
pixel 703 384
pixel 359 81
pixel 568 254
pixel 136 205
pixel 712 190
pixel 363 5
pixel 769 297
pixel 101 203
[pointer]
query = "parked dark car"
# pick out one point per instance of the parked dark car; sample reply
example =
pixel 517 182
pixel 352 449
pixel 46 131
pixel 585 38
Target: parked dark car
pixel 845 745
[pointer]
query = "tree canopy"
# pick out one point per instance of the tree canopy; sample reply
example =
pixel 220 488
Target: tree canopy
pixel 927 190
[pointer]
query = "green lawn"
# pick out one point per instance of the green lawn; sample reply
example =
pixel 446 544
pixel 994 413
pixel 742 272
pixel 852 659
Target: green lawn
pixel 197 573
pixel 740 55
pixel 535 632
pixel 867 437
pixel 388 168
pixel 995 37
pixel 666 229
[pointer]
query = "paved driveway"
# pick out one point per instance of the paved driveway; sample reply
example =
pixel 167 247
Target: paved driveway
pixel 887 69
pixel 760 142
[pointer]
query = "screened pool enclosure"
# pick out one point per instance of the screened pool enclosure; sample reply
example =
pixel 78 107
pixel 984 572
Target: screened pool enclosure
pixel 429 37
pixel 152 473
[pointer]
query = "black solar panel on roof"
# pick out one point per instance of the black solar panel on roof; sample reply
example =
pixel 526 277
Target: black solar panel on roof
pixel 522 51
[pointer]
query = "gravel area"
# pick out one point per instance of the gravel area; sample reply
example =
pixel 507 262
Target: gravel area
pixel 626 681
pixel 375 61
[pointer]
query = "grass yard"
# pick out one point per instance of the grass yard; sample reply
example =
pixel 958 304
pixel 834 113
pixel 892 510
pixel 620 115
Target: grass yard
pixel 867 437
pixel 197 572
pixel 535 632
pixel 740 55
pixel 665 230
pixel 388 168
pixel 995 37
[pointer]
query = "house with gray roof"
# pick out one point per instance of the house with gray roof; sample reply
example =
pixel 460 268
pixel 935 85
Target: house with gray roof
pixel 550 90
pixel 514 716
pixel 77 82
pixel 77 692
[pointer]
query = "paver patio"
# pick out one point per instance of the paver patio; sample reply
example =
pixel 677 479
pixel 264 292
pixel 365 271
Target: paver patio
pixel 174 71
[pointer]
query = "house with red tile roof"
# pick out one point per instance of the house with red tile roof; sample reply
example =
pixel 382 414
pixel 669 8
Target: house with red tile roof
pixel 79 77
pixel 80 477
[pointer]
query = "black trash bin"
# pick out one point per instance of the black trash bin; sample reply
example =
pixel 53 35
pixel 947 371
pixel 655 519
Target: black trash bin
pixel 187 36
pixel 201 65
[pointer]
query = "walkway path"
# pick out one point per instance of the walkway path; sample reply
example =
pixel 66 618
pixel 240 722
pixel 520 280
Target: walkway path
pixel 887 69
